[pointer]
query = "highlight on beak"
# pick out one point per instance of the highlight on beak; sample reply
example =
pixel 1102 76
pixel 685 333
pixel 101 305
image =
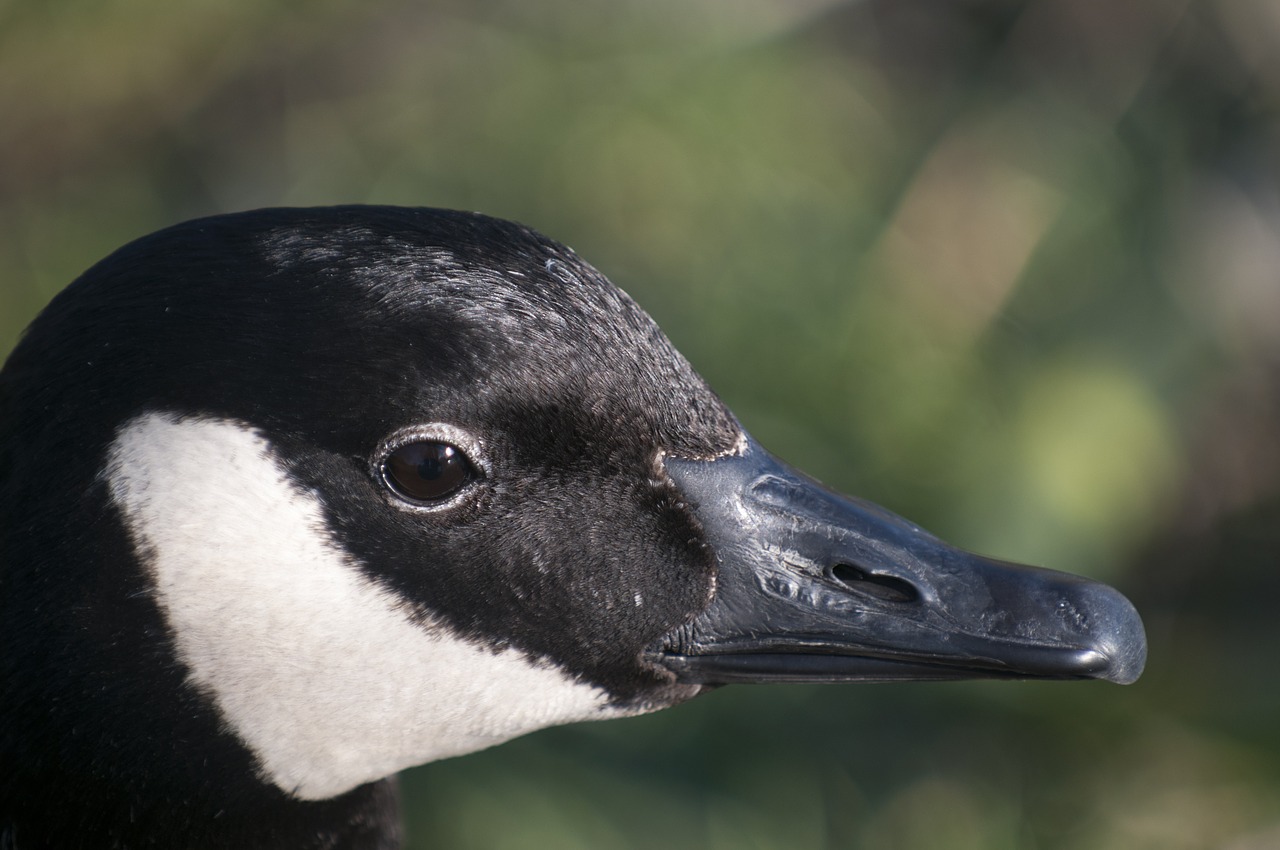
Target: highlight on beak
pixel 814 586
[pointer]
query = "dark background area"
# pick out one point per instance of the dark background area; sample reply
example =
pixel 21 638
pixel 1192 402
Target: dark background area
pixel 1011 269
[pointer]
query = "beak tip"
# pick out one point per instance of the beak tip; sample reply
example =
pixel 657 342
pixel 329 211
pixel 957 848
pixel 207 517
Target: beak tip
pixel 1124 668
pixel 1122 639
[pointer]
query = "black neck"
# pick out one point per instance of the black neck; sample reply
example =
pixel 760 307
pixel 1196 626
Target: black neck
pixel 78 812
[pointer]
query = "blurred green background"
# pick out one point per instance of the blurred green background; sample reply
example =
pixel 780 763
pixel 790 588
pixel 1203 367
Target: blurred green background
pixel 1011 269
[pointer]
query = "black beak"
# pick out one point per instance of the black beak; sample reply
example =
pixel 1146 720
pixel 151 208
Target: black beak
pixel 818 587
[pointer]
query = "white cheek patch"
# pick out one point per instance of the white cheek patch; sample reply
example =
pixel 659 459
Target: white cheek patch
pixel 319 671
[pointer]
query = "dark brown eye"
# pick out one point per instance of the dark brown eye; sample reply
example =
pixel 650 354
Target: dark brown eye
pixel 427 471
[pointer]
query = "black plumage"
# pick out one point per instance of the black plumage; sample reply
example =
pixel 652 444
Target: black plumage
pixel 326 331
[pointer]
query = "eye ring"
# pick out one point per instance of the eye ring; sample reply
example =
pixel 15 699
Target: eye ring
pixel 429 467
pixel 427 471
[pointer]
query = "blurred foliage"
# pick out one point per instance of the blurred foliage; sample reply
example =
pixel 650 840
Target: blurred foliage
pixel 1011 269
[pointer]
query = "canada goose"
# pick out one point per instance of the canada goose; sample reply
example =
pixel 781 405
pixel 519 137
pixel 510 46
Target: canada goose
pixel 293 499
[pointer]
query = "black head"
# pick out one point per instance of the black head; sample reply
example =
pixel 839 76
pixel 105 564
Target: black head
pixel 346 339
pixel 477 438
pixel 336 332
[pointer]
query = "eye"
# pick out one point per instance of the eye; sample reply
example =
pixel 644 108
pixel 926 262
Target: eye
pixel 427 471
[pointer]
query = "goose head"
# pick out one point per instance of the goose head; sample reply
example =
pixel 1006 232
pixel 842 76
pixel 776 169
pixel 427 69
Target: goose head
pixel 293 499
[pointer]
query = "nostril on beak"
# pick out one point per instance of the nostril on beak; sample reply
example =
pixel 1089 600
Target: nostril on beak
pixel 876 585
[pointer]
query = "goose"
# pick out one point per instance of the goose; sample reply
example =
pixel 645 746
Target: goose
pixel 294 499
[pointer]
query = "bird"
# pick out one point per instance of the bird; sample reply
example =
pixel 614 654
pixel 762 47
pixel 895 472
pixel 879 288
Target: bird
pixel 296 498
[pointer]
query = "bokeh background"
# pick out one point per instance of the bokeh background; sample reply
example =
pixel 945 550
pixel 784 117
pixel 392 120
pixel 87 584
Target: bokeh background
pixel 1011 269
